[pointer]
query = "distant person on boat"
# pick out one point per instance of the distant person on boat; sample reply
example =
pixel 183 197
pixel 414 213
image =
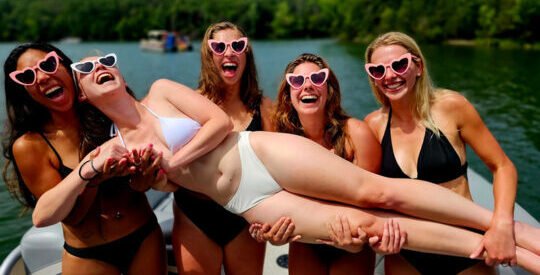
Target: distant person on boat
pixel 246 172
pixel 60 170
pixel 205 235
pixel 309 105
pixel 423 131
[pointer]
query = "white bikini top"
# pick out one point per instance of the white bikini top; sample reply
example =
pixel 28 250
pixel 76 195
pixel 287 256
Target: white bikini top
pixel 177 131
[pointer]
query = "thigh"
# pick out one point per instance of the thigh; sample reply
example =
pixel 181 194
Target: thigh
pixel 194 252
pixel 479 269
pixel 151 257
pixel 396 265
pixel 244 255
pixel 304 260
pixel 361 263
pixel 317 173
pixel 75 265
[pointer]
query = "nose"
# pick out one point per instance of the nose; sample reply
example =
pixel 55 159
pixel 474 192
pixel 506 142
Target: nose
pixel 308 83
pixel 41 76
pixel 389 73
pixel 228 50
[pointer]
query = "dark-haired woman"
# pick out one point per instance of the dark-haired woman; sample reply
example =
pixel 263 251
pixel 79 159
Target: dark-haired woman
pixel 59 170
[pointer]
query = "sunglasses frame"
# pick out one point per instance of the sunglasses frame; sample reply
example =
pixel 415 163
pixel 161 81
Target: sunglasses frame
pixel 93 62
pixel 228 44
pixel 326 72
pixel 407 56
pixel 13 75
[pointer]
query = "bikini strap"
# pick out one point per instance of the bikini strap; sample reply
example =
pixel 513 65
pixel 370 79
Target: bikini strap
pixel 114 131
pixel 52 148
pixel 150 110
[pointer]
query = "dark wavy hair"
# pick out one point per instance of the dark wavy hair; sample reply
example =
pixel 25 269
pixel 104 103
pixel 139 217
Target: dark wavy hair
pixel 26 115
pixel 286 117
pixel 211 84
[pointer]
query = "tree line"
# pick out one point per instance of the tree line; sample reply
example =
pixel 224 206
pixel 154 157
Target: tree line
pixel 350 20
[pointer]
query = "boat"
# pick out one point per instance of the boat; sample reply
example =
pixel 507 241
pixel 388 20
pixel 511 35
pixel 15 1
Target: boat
pixel 40 250
pixel 165 41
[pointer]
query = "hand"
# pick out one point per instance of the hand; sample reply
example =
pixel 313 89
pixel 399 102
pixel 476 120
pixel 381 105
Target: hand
pixel 498 244
pixel 392 240
pixel 148 169
pixel 278 234
pixel 110 160
pixel 341 237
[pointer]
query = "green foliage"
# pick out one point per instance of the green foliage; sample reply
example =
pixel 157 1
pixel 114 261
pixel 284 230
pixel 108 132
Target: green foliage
pixel 352 20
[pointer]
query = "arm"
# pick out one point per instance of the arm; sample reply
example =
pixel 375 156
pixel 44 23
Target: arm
pixel 267 109
pixel 56 196
pixel 367 150
pixel 216 124
pixel 499 238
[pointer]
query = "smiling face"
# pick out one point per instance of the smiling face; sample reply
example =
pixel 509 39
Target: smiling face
pixel 392 85
pixel 102 80
pixel 309 98
pixel 229 65
pixel 54 91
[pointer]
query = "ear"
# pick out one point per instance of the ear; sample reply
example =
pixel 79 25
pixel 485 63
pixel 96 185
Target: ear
pixel 420 66
pixel 82 96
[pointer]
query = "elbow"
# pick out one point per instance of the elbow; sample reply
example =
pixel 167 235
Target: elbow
pixel 40 221
pixel 228 125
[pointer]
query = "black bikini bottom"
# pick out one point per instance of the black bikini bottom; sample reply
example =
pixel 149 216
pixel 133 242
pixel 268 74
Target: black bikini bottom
pixel 214 221
pixel 119 252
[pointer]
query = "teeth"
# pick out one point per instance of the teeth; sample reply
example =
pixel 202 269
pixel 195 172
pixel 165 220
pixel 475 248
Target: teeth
pixel 393 86
pixel 309 98
pixel 52 90
pixel 104 78
pixel 229 65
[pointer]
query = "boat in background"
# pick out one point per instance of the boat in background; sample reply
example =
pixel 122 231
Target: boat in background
pixel 40 251
pixel 165 41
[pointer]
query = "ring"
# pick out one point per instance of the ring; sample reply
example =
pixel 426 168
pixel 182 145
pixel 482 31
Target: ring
pixel 137 164
pixel 505 264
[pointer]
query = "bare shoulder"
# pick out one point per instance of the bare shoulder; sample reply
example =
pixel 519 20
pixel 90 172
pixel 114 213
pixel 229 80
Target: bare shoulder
pixel 376 121
pixel 29 144
pixel 450 101
pixel 357 128
pixel 163 87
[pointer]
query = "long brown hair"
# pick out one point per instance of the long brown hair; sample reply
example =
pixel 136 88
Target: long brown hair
pixel 210 83
pixel 286 117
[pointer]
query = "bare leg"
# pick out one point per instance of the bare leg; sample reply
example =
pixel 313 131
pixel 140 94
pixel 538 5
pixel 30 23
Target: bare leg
pixel 244 255
pixel 311 216
pixel 322 175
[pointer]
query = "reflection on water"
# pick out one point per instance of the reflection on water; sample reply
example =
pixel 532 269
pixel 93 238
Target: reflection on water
pixel 500 83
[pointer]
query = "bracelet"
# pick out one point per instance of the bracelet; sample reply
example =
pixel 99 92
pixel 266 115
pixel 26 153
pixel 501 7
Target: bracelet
pixel 94 168
pixel 80 171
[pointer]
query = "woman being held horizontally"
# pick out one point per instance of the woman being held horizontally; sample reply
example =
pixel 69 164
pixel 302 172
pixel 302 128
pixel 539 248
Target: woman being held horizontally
pixel 423 131
pixel 205 235
pixel 108 228
pixel 246 171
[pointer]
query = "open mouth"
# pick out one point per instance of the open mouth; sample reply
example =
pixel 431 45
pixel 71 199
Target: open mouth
pixel 229 67
pixel 104 77
pixel 54 92
pixel 394 85
pixel 309 99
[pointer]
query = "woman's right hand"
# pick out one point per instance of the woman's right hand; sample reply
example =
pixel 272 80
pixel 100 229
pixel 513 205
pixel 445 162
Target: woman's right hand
pixel 279 233
pixel 392 240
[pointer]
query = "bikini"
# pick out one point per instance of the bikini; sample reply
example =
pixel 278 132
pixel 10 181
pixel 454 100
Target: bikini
pixel 120 252
pixel 438 163
pixel 218 224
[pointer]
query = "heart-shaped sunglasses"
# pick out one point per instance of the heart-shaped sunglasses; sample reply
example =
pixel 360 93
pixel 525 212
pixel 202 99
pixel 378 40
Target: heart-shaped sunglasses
pixel 28 75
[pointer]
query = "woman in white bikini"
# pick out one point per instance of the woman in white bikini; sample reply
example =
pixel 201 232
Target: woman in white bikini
pixel 245 172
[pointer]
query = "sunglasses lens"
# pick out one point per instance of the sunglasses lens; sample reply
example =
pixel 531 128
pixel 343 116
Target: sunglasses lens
pixel 318 78
pixel 238 46
pixel 85 67
pixel 296 81
pixel 400 66
pixel 108 61
pixel 26 77
pixel 218 47
pixel 376 71
pixel 49 65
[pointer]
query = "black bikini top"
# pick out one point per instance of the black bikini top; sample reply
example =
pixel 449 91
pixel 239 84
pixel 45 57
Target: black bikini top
pixel 256 121
pixel 438 162
pixel 62 169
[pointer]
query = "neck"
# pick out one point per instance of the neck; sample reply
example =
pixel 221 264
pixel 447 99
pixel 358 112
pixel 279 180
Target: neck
pixel 314 127
pixel 124 112
pixel 63 120
pixel 232 103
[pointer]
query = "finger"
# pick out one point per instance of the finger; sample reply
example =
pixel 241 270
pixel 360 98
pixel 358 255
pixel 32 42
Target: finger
pixel 275 228
pixel 346 229
pixel 402 241
pixel 362 235
pixel 95 152
pixel 296 238
pixel 337 227
pixel 397 236
pixel 476 254
pixel 289 231
pixel 384 240
pixel 373 241
pixel 327 242
pixel 391 235
pixel 283 229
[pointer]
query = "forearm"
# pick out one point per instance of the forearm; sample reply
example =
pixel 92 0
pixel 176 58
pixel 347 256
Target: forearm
pixel 209 137
pixel 58 202
pixel 504 191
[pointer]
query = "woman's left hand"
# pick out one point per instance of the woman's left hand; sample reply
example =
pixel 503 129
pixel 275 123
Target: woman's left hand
pixel 341 236
pixel 146 164
pixel 499 244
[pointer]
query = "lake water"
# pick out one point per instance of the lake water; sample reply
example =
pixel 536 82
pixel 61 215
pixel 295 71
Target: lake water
pixel 502 84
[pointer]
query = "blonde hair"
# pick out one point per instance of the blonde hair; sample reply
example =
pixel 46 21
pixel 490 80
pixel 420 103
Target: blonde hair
pixel 424 90
pixel 286 118
pixel 210 83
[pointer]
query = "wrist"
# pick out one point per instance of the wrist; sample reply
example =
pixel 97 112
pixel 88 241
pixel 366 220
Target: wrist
pixel 88 174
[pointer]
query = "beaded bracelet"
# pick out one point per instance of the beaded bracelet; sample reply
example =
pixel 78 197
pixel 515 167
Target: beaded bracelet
pixel 80 171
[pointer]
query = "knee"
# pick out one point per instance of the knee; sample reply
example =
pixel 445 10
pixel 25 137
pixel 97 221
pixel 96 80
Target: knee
pixel 378 197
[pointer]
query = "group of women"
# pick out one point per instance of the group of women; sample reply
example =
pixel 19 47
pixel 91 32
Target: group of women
pixel 315 183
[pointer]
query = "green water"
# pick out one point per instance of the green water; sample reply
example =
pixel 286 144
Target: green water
pixel 500 83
